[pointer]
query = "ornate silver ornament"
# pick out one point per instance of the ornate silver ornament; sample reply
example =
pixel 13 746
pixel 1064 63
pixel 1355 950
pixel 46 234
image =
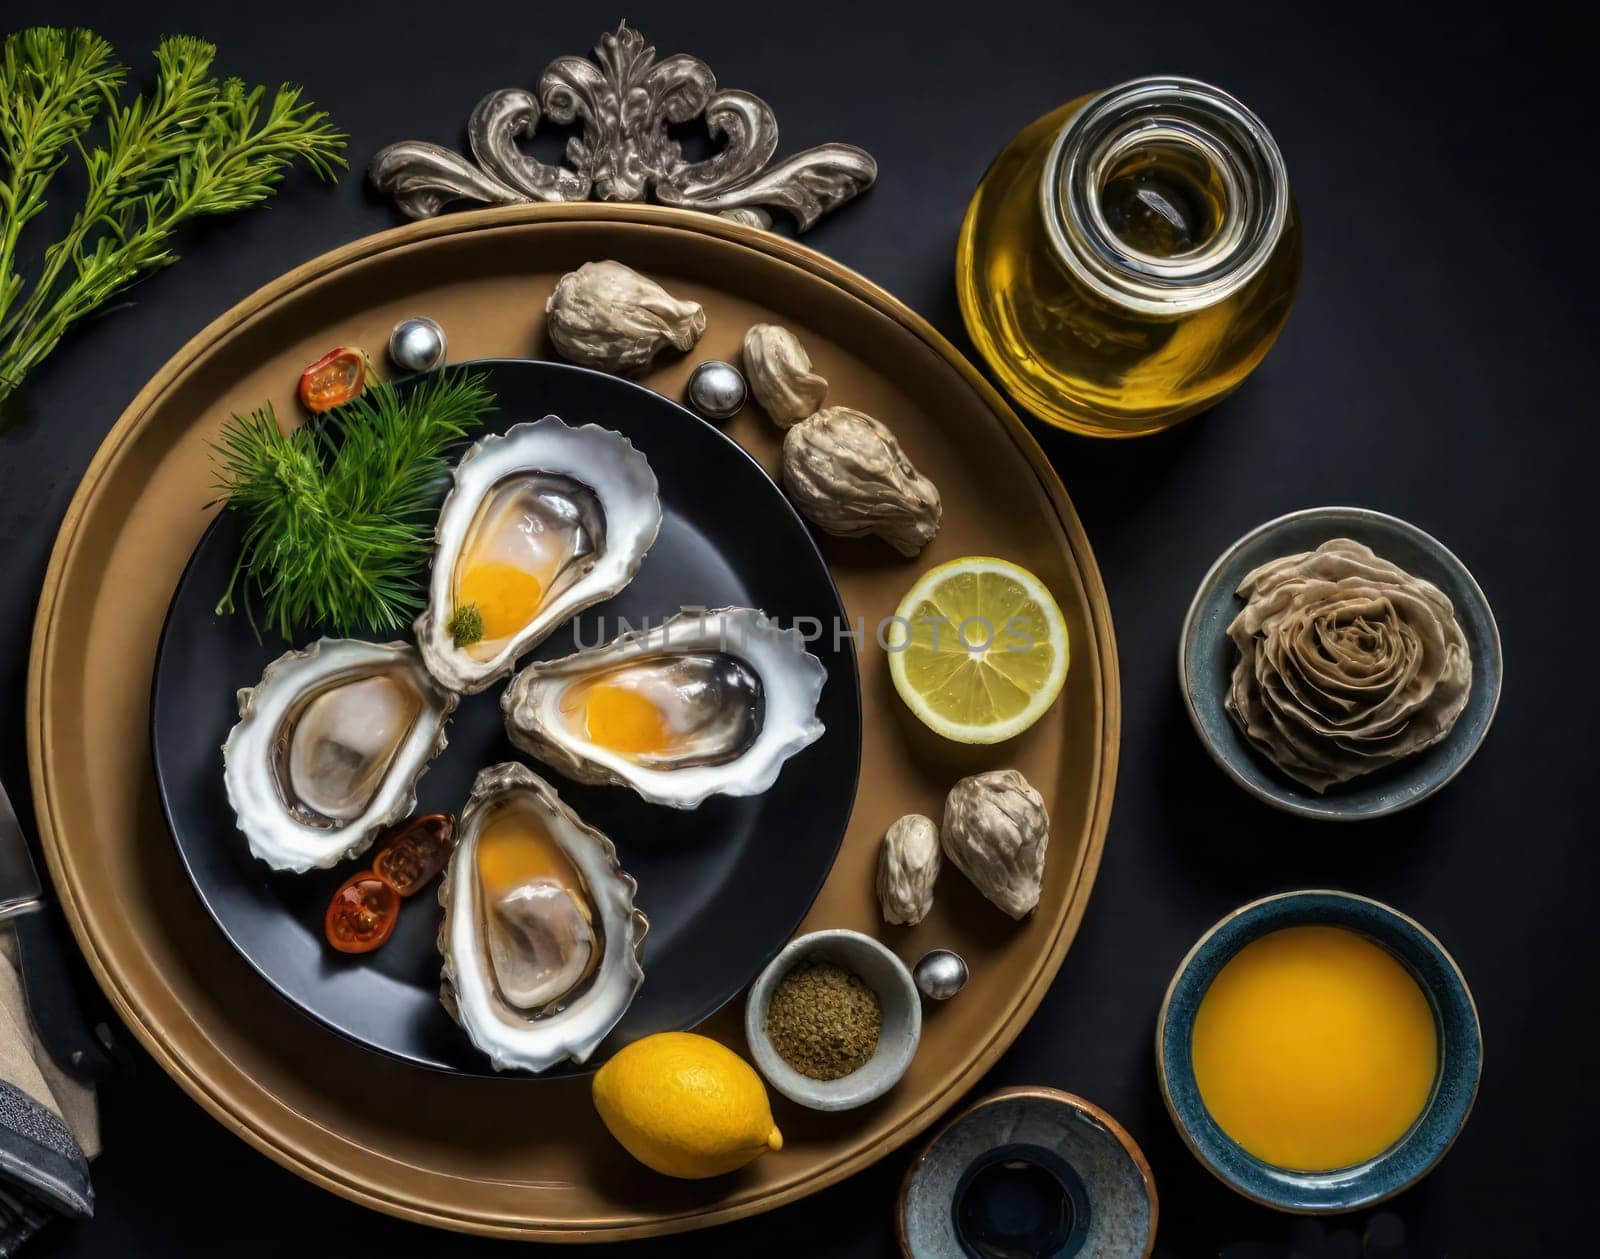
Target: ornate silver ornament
pixel 716 390
pixel 624 152
pixel 417 344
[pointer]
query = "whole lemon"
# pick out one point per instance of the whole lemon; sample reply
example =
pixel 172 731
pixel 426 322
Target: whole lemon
pixel 685 1106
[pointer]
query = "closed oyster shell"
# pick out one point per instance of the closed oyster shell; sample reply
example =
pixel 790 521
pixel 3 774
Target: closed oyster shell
pixel 996 831
pixel 779 371
pixel 608 316
pixel 908 865
pixel 848 476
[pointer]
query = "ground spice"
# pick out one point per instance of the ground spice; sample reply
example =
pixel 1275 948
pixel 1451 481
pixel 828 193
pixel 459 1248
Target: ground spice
pixel 823 1020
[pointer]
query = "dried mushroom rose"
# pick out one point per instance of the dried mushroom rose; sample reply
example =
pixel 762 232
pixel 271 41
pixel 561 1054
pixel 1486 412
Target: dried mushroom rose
pixel 608 316
pixel 1347 663
pixel 848 476
pixel 780 375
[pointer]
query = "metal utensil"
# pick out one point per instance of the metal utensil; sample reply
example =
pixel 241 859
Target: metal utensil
pixel 42 958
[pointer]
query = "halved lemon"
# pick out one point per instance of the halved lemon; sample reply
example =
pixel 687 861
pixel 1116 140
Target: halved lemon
pixel 978 649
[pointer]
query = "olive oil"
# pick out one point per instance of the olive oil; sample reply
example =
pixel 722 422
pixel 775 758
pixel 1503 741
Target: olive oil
pixel 1130 257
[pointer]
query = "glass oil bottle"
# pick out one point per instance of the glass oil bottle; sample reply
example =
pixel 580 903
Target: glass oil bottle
pixel 1130 257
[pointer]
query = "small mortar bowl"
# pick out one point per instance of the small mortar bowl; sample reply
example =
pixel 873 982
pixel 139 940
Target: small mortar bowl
pixel 901 1028
pixel 1409 1159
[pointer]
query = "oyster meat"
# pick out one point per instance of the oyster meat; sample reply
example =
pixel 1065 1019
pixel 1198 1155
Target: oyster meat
pixel 328 749
pixel 543 522
pixel 541 941
pixel 705 703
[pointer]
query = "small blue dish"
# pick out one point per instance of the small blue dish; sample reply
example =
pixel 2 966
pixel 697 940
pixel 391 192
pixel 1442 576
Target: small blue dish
pixel 1029 1171
pixel 1402 1164
pixel 1206 657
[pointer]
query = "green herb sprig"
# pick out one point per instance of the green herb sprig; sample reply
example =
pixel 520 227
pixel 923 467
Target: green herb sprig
pixel 465 625
pixel 193 145
pixel 339 512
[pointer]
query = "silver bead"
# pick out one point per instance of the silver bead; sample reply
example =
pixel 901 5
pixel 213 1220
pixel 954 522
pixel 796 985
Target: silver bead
pixel 417 344
pixel 716 390
pixel 940 974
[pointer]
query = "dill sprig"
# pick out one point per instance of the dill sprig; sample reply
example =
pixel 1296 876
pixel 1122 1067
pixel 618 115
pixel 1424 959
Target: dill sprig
pixel 193 145
pixel 339 512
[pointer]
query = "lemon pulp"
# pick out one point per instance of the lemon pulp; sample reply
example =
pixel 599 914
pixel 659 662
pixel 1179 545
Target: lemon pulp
pixel 978 649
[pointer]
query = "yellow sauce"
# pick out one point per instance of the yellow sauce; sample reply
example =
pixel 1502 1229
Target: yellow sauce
pixel 516 847
pixel 619 718
pixel 507 597
pixel 1314 1048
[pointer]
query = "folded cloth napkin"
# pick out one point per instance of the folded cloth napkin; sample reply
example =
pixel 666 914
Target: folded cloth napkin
pixel 49 1129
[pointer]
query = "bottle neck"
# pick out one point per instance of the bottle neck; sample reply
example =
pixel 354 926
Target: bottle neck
pixel 1164 195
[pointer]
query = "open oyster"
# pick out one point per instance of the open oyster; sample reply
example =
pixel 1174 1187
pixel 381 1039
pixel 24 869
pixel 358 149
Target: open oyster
pixel 543 522
pixel 541 940
pixel 706 703
pixel 328 749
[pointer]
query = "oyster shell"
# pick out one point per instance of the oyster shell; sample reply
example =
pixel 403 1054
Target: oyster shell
pixel 543 522
pixel 847 474
pixel 780 375
pixel 541 941
pixel 328 749
pixel 608 316
pixel 996 831
pixel 706 703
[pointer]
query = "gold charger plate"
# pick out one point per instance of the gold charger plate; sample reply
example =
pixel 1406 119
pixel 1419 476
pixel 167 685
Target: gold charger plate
pixel 439 1149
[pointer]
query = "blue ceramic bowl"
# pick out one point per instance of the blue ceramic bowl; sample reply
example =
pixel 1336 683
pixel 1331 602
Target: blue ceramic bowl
pixel 1402 1164
pixel 1206 657
pixel 1029 1171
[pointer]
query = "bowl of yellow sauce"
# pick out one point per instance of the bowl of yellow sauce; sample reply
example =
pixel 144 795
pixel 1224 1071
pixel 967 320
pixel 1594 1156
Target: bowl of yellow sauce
pixel 1318 1051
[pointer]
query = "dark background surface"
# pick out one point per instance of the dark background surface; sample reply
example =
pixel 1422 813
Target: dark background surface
pixel 1438 366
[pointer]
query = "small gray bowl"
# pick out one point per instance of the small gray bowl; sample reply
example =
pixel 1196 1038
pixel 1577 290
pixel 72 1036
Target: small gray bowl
pixel 1206 657
pixel 1029 1171
pixel 881 971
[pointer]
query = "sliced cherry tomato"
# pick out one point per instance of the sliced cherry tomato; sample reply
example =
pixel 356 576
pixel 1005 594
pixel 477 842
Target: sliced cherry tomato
pixel 335 378
pixel 362 914
pixel 414 851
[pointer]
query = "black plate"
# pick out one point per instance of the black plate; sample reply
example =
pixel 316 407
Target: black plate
pixel 724 885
